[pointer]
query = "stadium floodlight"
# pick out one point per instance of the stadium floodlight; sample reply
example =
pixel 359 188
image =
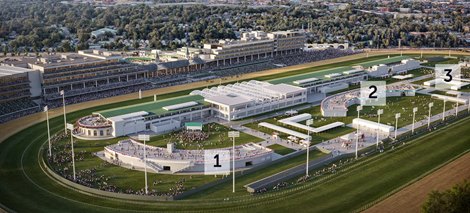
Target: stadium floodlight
pixel 46 110
pixel 379 112
pixel 415 109
pixel 397 116
pixel 444 110
pixel 309 122
pixel 70 127
pixel 468 106
pixel 429 114
pixel 145 138
pixel 233 135
pixel 358 108
pixel 63 105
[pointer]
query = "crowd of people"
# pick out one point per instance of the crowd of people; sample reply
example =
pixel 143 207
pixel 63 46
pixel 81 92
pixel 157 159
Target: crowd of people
pixel 17 108
pixel 61 161
pixel 237 69
pixel 312 56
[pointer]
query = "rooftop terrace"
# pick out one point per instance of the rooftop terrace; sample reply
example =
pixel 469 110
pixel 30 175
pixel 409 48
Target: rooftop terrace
pixel 156 108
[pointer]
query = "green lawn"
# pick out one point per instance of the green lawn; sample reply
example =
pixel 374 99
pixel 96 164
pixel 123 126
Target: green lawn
pixel 282 150
pixel 225 189
pixel 118 176
pixel 218 138
pixel 416 73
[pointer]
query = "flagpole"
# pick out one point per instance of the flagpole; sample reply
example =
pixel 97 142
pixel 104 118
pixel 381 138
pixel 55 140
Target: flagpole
pixel 48 130
pixel 70 127
pixel 65 116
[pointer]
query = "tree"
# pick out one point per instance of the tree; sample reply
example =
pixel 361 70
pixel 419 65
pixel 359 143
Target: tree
pixel 454 200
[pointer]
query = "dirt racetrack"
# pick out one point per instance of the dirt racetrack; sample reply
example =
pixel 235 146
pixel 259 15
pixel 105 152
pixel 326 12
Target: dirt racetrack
pixel 412 197
pixel 9 128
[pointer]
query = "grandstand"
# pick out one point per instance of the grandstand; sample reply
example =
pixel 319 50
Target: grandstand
pixel 325 80
pixel 337 105
pixel 240 100
pixel 172 160
pixel 389 66
pixel 17 88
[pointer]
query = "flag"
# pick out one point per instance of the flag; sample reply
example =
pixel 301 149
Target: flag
pixel 46 108
pixel 62 92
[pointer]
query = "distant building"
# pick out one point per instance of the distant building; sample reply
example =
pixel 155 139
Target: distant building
pixel 102 32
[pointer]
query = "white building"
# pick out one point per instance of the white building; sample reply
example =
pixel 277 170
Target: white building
pixel 129 153
pixel 337 105
pixel 390 66
pixel 372 127
pixel 240 100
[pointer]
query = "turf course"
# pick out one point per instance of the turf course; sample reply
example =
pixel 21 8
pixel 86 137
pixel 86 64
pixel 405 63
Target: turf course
pixel 25 188
pixel 345 192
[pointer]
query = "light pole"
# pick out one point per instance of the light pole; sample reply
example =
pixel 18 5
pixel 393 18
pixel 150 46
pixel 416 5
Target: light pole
pixel 429 115
pixel 63 104
pixel 444 110
pixel 468 106
pixel 379 112
pixel 48 130
pixel 415 109
pixel 397 116
pixel 145 138
pixel 233 135
pixel 70 127
pixel 309 122
pixel 358 108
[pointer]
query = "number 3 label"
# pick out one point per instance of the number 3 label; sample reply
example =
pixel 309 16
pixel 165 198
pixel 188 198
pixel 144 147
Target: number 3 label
pixel 447 77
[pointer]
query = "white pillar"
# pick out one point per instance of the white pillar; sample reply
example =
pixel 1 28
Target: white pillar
pixel 359 108
pixel 444 111
pixel 429 114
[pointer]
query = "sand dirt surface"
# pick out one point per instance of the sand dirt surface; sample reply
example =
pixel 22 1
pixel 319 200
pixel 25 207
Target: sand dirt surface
pixel 412 197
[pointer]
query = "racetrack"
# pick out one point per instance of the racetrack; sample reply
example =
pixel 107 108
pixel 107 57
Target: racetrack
pixel 411 198
pixel 24 186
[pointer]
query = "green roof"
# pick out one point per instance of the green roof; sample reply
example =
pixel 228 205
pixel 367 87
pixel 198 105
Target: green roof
pixel 383 61
pixel 153 107
pixel 316 74
pixel 194 124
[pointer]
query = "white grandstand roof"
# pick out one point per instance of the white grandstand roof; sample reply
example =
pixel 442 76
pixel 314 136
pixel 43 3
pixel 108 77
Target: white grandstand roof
pixel 246 92
pixel 180 106
pixel 285 130
pixel 10 70
pixel 229 99
pixel 328 127
pixel 130 116
pixel 373 125
pixel 294 121
pixel 283 88
pixel 352 71
pixel 332 75
pixel 303 81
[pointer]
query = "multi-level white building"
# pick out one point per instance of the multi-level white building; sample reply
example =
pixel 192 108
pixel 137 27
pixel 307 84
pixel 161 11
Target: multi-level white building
pixel 240 100
pixel 389 66
pixel 254 45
